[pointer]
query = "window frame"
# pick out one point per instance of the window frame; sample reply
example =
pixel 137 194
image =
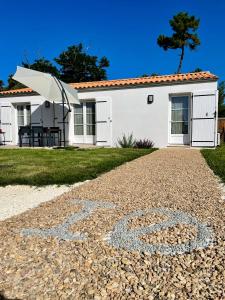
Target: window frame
pixel 79 124
pixel 93 113
pixel 85 115
pixel 187 108
pixel 24 114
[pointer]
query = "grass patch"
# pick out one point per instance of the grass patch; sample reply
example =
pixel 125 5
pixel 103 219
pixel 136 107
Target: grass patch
pixel 216 160
pixel 42 167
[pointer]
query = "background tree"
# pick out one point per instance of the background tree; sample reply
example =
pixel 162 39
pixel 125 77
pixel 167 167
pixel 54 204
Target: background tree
pixel 184 28
pixel 1 85
pixel 154 74
pixel 149 75
pixel 197 70
pixel 78 66
pixel 144 75
pixel 41 64
pixel 221 104
pixel 13 85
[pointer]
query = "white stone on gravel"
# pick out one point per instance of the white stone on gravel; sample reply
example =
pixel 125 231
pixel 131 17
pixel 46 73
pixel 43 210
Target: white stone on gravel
pixel 16 199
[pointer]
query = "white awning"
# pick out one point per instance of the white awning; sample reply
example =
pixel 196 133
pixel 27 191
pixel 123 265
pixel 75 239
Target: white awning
pixel 46 85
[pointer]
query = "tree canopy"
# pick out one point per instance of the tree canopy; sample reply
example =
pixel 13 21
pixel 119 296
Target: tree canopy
pixel 149 75
pixel 184 35
pixel 42 65
pixel 1 85
pixel 74 65
pixel 197 70
pixel 78 66
pixel 13 84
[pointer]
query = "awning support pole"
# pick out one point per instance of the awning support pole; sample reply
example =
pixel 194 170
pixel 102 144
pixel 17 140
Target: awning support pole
pixel 64 125
pixel 64 97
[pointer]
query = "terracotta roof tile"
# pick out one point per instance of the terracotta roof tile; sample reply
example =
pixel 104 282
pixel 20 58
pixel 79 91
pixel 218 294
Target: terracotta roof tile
pixel 130 81
pixel 17 91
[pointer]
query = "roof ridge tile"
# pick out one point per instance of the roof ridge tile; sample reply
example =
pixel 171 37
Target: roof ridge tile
pixel 203 75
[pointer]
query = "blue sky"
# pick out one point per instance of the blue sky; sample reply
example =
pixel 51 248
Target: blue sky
pixel 125 31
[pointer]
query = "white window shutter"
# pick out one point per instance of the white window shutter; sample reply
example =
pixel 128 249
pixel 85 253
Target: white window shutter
pixel 103 122
pixel 204 119
pixel 6 120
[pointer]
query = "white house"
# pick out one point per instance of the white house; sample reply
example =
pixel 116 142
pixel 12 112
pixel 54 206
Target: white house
pixel 169 110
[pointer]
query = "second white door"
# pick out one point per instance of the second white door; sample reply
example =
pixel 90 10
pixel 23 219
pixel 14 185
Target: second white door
pixel 84 123
pixel 179 120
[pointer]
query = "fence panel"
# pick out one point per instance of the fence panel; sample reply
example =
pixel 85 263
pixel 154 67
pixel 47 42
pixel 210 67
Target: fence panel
pixel 221 128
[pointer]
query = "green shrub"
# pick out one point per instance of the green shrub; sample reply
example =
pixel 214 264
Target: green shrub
pixel 127 141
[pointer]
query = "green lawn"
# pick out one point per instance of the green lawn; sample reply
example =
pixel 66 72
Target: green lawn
pixel 42 167
pixel 216 160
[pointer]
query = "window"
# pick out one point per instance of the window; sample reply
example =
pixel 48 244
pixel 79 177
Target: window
pixel 78 119
pixel 179 115
pixel 28 113
pixel 20 115
pixel 90 118
pixel 23 115
pixel 84 119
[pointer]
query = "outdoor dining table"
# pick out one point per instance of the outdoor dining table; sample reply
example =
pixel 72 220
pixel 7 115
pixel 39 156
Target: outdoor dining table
pixel 39 136
pixel 54 136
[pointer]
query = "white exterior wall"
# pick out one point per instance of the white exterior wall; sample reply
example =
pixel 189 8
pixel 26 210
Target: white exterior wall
pixel 128 111
pixel 132 114
pixel 40 116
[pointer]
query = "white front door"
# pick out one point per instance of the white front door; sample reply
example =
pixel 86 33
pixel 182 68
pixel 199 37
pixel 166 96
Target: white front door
pixel 179 120
pixel 204 119
pixel 23 118
pixel 84 123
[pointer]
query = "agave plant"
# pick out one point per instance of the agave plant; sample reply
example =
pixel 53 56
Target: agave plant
pixel 127 141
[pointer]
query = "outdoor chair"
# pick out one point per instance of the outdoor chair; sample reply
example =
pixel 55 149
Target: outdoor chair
pixel 54 136
pixel 24 136
pixel 2 134
pixel 37 134
pixel 46 136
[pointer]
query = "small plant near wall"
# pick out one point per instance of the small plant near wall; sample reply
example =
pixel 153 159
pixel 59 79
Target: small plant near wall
pixel 145 144
pixel 127 141
pixel 130 142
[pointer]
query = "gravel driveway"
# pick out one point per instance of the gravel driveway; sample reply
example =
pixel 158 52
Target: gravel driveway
pixel 150 229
